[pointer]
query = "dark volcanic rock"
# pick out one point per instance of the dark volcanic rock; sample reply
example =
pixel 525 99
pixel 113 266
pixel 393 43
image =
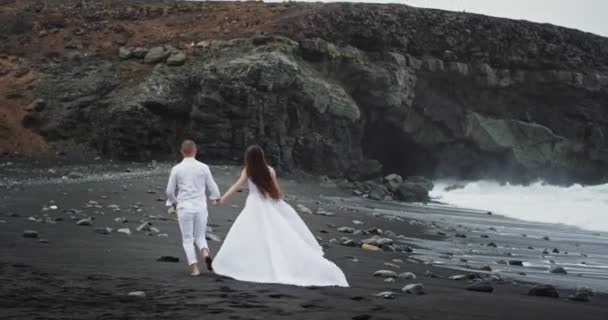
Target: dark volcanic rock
pixel 482 286
pixel 360 96
pixel 543 290
pixel 167 259
pixel 414 189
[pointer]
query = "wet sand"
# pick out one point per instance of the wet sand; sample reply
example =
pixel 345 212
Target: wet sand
pixel 82 274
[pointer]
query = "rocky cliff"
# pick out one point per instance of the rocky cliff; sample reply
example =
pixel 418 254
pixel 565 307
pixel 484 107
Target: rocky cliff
pixel 337 89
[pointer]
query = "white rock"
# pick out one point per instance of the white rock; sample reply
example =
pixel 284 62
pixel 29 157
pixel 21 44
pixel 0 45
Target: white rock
pixel 414 288
pixel 303 209
pixel 139 294
pixel 407 276
pixel 385 274
pixel 126 231
pixel 386 295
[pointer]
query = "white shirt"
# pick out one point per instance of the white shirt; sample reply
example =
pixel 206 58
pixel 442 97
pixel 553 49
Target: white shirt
pixel 188 183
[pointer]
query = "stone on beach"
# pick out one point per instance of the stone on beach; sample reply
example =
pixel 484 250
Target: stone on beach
pixel 346 230
pixel 414 288
pixel 377 241
pixel 482 286
pixel 407 276
pixel 348 242
pixel 386 295
pixel 370 247
pixel 385 274
pixel 167 259
pixel 392 265
pixel 581 296
pixel 30 234
pixel 213 237
pixel 304 209
pixel 145 226
pixel 126 231
pixel 104 231
pixel 137 294
pixel 543 290
pixel 84 222
pixel 558 270
pixel 429 274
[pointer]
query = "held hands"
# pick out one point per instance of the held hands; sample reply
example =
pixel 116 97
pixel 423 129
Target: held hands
pixel 219 201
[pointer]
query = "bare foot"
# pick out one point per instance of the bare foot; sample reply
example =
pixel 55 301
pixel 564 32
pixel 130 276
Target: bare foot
pixel 194 270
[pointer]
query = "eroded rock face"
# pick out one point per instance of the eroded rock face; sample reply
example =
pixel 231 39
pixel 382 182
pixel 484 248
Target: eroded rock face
pixel 369 94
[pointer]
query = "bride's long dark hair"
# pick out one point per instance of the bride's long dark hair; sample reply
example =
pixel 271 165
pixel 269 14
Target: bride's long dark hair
pixel 259 172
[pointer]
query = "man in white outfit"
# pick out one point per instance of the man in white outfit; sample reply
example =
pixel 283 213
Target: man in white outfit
pixel 189 182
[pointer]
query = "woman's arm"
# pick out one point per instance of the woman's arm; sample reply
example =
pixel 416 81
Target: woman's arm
pixel 273 175
pixel 235 187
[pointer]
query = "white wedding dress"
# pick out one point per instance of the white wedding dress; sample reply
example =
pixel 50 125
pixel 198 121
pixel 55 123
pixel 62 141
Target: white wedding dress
pixel 269 243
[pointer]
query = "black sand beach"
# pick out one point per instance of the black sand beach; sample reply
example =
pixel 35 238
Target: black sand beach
pixel 82 274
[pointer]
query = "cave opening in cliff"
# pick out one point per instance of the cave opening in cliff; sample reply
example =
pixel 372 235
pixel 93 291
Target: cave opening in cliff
pixel 397 152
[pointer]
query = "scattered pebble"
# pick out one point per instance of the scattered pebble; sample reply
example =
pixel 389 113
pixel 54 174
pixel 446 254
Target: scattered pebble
pixel 386 295
pixel 84 222
pixel 145 226
pixel 104 231
pixel 407 276
pixel 126 231
pixel 30 234
pixel 303 209
pixel 385 274
pixel 414 288
pixel 167 259
pixel 137 294
pixel 558 270
pixel 482 286
pixel 346 230
pixel 213 237
pixel 369 247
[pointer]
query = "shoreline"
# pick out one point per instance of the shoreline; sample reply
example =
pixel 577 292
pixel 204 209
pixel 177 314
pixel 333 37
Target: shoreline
pixel 89 275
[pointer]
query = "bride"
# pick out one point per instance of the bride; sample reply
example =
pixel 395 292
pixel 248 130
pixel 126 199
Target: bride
pixel 269 242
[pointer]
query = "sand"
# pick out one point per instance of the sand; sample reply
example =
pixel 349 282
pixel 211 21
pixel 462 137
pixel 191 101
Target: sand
pixel 82 274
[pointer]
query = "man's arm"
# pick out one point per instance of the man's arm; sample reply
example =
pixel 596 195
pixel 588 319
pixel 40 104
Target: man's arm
pixel 211 186
pixel 171 189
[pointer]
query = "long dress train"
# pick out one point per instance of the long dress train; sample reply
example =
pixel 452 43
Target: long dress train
pixel 269 243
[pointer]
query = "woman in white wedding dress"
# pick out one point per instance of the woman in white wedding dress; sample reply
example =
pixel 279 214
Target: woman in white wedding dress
pixel 269 242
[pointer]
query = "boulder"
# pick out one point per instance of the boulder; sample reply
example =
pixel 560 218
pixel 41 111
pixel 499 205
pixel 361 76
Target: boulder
pixel 543 290
pixel 559 270
pixel 176 58
pixel 393 181
pixel 156 55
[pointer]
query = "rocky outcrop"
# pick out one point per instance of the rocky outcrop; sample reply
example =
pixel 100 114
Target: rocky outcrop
pixel 377 89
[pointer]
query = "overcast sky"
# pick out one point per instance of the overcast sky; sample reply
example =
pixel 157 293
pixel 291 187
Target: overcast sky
pixel 586 15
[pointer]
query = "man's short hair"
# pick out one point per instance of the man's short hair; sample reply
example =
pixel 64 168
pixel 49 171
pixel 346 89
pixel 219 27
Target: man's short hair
pixel 188 147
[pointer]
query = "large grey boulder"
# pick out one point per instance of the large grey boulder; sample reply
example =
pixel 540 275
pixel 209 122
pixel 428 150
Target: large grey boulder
pixel 156 55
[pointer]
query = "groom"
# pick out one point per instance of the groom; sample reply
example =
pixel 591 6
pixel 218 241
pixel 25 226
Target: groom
pixel 186 191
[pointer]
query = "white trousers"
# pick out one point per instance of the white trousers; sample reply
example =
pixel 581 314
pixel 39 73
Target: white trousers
pixel 193 226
